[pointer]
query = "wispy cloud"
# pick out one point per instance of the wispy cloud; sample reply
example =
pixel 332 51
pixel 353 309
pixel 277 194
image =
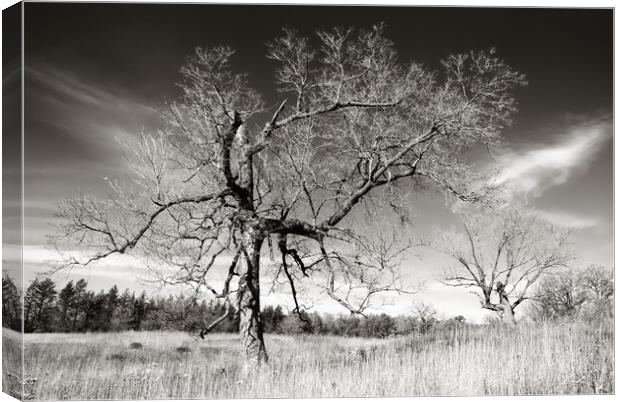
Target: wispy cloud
pixel 538 167
pixel 67 89
pixel 71 128
pixel 87 114
pixel 568 219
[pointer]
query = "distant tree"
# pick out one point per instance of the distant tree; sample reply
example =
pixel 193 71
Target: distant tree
pixel 379 326
pixel 41 305
pixel 297 324
pixel 29 306
pixel 273 317
pixel 316 322
pixel 159 316
pixel 451 324
pixel 95 315
pixel 11 305
pixel 78 307
pixel 502 253
pixel 66 302
pixel 573 295
pixel 425 314
pixel 349 325
pixel 328 324
pixel 122 314
pixel 197 315
pixel 139 312
pixel 557 298
pixel 597 282
pixel 224 315
pixel 168 313
pixel 112 299
pixel 357 129
pixel 406 325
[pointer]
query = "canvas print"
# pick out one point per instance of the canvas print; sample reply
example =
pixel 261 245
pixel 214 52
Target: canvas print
pixel 211 201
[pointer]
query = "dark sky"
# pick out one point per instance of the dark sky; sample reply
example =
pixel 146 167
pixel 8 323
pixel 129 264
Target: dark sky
pixel 137 48
pixel 96 71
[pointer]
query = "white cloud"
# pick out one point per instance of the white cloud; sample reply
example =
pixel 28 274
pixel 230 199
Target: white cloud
pixel 532 171
pixel 568 219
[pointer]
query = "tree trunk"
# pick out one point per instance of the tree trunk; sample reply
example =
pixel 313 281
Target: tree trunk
pixel 508 315
pixel 253 349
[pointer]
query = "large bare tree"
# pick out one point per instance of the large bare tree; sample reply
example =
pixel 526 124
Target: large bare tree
pixel 501 253
pixel 356 129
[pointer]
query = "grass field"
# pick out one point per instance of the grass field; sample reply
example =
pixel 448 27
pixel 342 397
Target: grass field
pixel 547 359
pixel 12 372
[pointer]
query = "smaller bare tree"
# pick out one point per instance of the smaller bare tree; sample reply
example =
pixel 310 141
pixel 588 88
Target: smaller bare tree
pixel 557 298
pixel 597 285
pixel 501 253
pixel 585 294
pixel 425 314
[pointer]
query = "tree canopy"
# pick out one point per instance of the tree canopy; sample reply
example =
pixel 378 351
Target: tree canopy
pixel 356 129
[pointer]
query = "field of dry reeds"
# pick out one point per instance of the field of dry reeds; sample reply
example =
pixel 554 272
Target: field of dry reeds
pixel 541 359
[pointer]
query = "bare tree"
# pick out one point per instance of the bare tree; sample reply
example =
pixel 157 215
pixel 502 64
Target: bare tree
pixel 356 128
pixel 502 253
pixel 425 314
pixel 557 297
pixel 597 285
pixel 585 294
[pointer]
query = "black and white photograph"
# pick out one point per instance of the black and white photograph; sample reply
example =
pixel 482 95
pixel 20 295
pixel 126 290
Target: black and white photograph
pixel 236 201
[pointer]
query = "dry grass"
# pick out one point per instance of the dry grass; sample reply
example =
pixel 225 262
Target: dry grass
pixel 12 381
pixel 554 359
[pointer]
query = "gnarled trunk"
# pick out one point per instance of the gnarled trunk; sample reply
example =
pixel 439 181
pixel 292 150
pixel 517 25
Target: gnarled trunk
pixel 508 314
pixel 504 307
pixel 253 352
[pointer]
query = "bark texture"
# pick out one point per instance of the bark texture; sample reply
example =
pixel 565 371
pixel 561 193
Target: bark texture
pixel 250 323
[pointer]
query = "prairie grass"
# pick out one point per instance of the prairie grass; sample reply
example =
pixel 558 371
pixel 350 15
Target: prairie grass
pixel 12 370
pixel 543 359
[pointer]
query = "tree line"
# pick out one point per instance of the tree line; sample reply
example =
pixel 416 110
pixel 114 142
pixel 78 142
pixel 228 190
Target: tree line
pixel 585 295
pixel 75 308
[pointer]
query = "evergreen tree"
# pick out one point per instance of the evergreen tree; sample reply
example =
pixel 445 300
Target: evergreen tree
pixel 11 305
pixel 80 294
pixel 96 313
pixel 273 317
pixel 139 312
pixel 123 312
pixel 112 300
pixel 43 305
pixel 66 302
pixel 29 306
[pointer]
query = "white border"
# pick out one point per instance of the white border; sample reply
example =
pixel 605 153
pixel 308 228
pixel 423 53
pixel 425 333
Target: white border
pixel 480 3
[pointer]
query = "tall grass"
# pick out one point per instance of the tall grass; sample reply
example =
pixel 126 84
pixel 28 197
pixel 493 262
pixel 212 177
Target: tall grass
pixel 547 359
pixel 12 370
